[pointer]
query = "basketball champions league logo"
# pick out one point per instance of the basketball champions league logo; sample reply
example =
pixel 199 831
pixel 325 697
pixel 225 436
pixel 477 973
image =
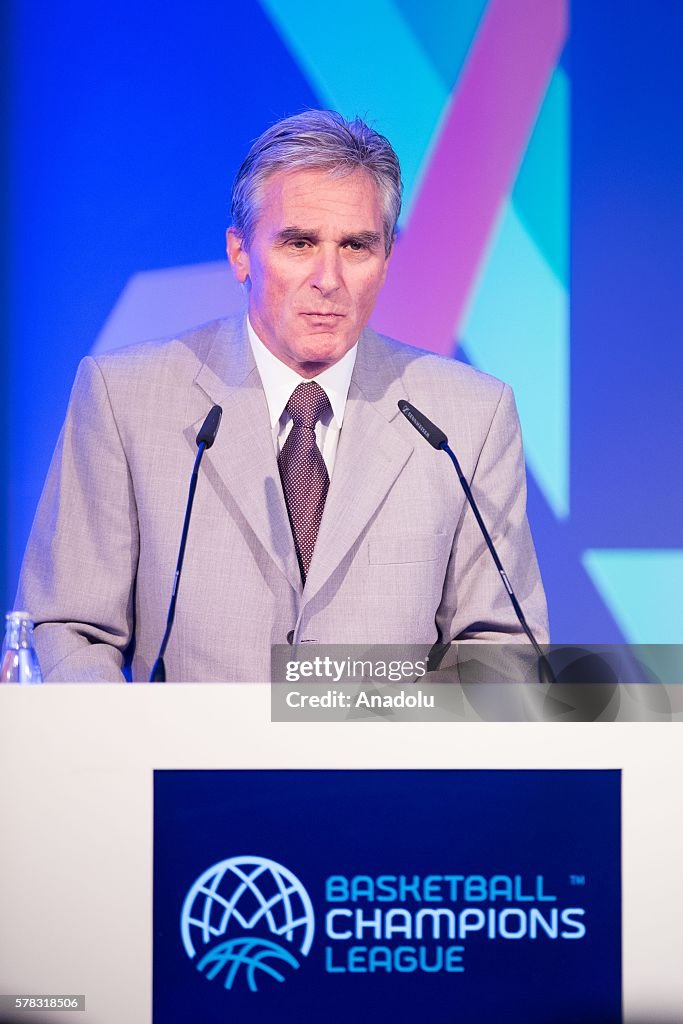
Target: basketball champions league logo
pixel 249 916
pixel 477 879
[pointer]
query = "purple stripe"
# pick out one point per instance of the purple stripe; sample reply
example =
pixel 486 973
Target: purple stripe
pixel 472 170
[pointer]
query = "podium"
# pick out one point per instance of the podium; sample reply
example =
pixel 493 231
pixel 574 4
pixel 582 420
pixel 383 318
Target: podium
pixel 76 806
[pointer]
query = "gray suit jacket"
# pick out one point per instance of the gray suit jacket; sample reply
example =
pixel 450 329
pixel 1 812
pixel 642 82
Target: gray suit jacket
pixel 399 558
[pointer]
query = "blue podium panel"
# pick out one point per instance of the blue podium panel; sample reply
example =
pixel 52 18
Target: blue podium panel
pixel 402 895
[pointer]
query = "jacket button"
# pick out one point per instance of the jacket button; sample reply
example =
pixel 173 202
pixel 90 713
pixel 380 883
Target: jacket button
pixel 290 637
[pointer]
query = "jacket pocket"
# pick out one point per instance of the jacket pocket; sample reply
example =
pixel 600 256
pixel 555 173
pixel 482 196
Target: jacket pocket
pixel 404 549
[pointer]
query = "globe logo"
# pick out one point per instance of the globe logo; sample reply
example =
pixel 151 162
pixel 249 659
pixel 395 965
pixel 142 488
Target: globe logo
pixel 249 916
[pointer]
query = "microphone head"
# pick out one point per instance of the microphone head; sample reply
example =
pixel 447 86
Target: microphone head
pixel 429 431
pixel 207 434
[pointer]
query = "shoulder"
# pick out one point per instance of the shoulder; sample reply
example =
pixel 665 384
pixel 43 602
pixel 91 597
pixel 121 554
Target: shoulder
pixel 462 401
pixel 175 360
pixel 448 379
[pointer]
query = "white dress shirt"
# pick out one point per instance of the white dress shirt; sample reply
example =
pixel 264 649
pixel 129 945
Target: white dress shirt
pixel 279 381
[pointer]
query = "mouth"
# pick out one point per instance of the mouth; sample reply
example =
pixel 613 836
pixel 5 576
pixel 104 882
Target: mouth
pixel 322 321
pixel 315 315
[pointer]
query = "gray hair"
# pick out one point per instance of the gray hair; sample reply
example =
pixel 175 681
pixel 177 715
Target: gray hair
pixel 317 140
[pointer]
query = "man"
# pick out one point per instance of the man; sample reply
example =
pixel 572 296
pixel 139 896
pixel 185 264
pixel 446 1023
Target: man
pixel 320 515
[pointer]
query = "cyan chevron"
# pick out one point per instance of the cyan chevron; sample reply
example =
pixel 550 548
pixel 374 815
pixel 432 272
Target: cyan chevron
pixel 517 328
pixel 541 192
pixel 643 589
pixel 445 31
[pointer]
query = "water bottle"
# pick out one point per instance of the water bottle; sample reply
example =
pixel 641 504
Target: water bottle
pixel 19 659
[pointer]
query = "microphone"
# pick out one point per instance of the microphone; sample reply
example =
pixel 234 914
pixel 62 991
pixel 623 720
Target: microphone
pixel 431 433
pixel 438 440
pixel 207 435
pixel 205 438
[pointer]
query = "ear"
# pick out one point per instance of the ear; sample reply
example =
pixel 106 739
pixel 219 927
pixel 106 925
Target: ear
pixel 386 266
pixel 237 255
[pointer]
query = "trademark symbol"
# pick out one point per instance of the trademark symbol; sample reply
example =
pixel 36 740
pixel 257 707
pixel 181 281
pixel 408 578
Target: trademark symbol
pixel 577 879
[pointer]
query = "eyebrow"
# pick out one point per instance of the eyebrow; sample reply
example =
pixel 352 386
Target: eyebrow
pixel 289 234
pixel 369 238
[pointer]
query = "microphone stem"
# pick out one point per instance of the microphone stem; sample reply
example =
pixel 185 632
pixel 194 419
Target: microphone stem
pixel 159 666
pixel 494 554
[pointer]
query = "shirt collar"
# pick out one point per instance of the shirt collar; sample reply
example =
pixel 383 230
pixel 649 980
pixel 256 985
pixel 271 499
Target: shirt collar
pixel 280 380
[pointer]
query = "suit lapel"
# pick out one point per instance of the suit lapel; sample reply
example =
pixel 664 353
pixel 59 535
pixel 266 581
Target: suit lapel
pixel 243 457
pixel 370 456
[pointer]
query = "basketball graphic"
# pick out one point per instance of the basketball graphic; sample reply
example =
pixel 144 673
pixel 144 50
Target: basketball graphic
pixel 247 916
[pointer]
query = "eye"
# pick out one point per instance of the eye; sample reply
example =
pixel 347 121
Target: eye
pixel 355 246
pixel 298 243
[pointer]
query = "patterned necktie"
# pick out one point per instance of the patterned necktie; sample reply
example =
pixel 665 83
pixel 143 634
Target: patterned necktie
pixel 303 471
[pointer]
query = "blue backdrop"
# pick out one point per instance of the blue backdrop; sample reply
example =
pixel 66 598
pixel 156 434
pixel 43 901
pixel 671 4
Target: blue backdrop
pixel 126 125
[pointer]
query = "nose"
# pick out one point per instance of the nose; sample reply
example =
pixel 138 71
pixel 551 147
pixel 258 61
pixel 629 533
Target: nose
pixel 327 272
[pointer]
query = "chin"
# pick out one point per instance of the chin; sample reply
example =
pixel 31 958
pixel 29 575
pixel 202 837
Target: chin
pixel 322 350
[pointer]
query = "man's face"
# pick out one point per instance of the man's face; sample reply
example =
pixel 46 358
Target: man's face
pixel 315 265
